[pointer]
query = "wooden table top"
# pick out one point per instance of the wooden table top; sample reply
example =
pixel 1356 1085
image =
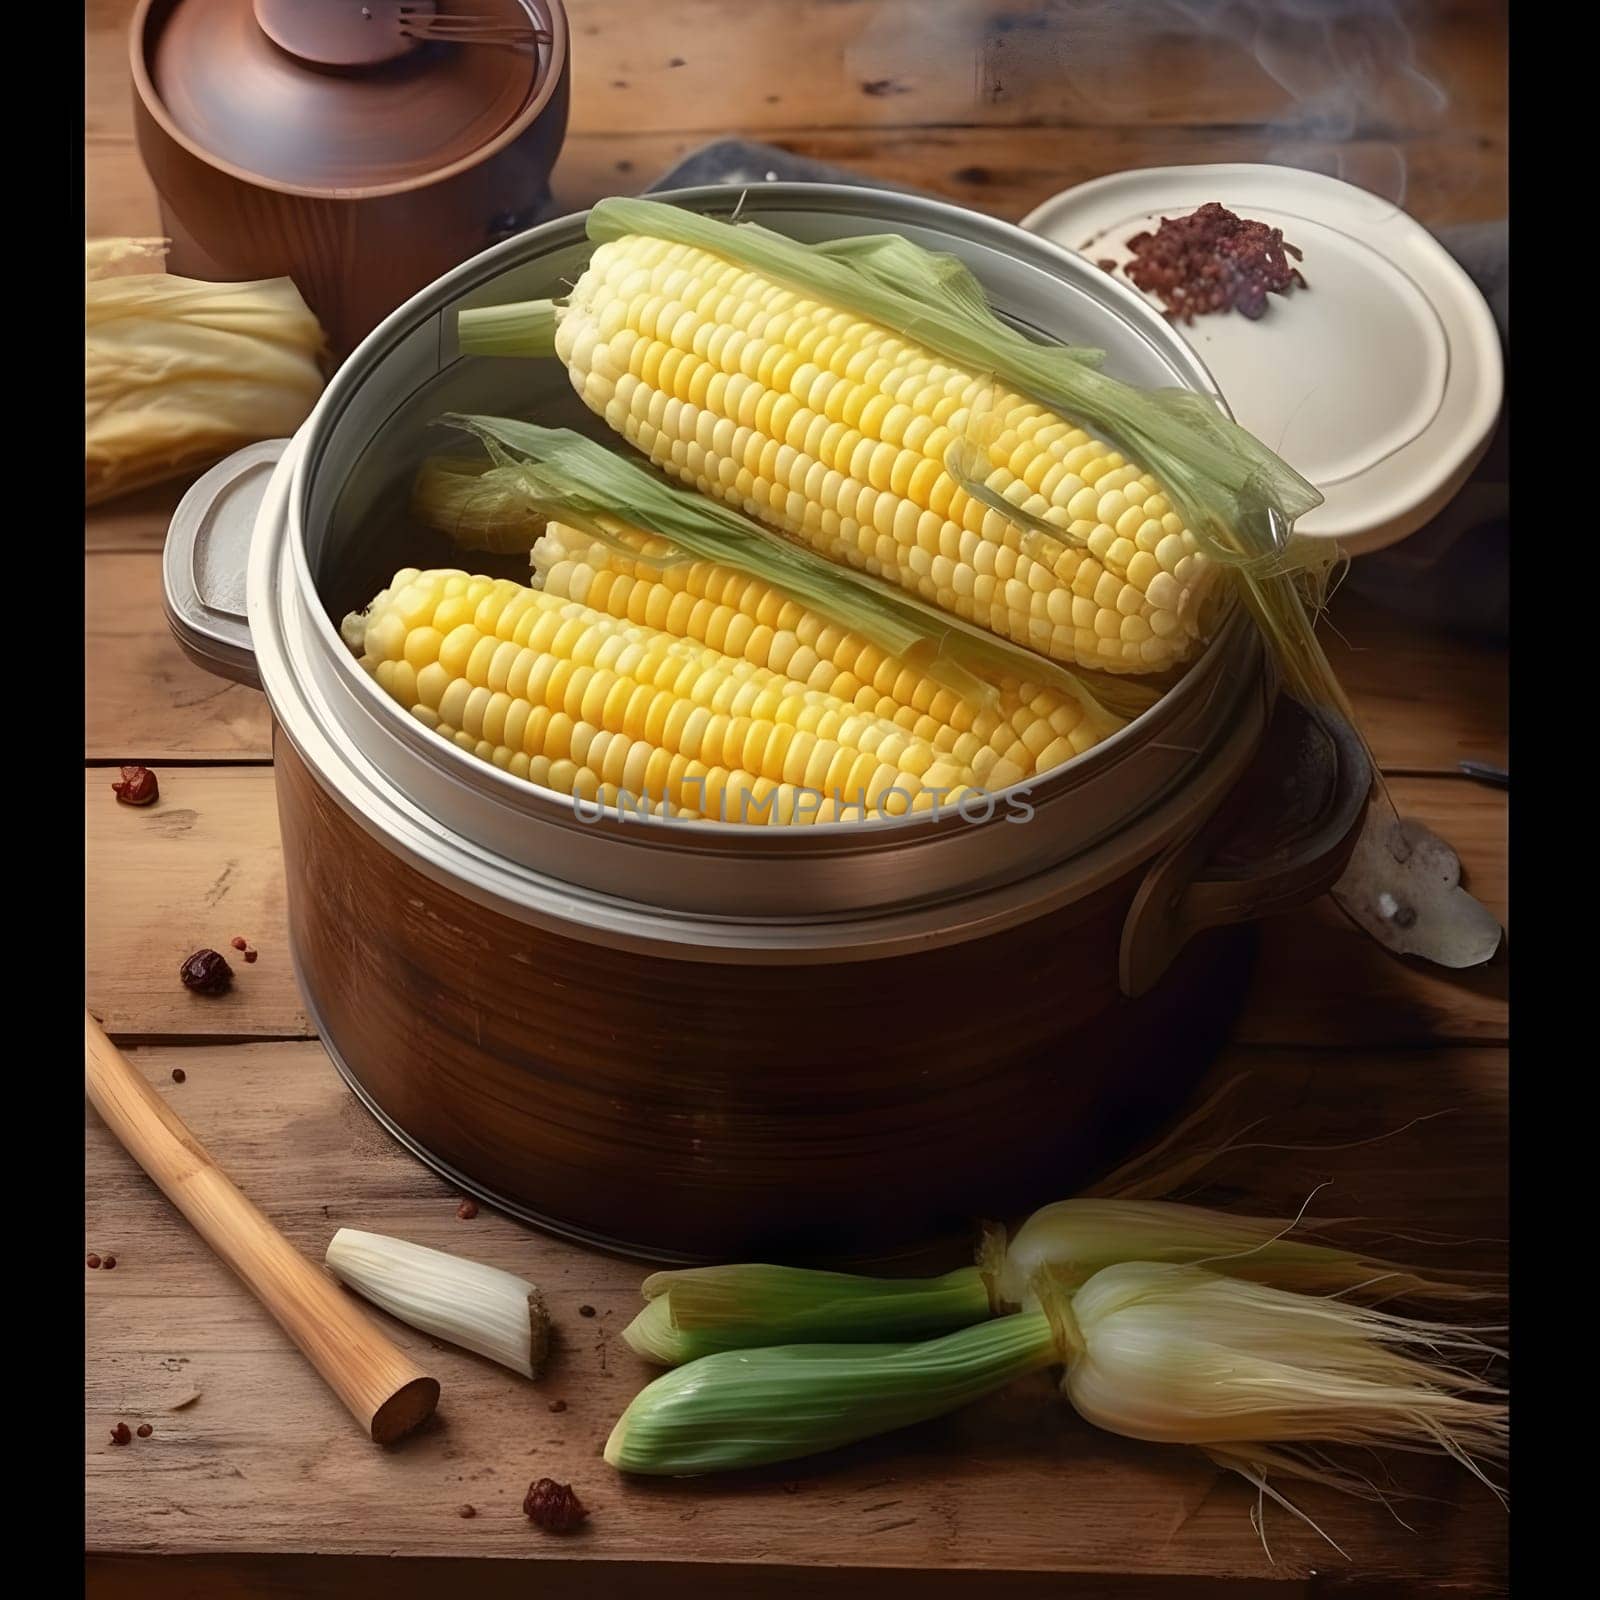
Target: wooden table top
pixel 253 1481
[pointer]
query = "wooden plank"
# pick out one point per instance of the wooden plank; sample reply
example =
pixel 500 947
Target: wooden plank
pixel 134 522
pixel 1454 177
pixel 760 65
pixel 213 1577
pixel 1449 178
pixel 251 1455
pixel 200 866
pixel 144 699
pixel 1427 699
pixel 205 863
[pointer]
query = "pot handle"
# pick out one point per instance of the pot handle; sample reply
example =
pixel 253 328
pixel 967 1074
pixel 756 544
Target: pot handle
pixel 205 557
pixel 1283 836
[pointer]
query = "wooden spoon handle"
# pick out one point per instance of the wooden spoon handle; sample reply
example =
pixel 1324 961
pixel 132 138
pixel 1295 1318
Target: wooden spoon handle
pixel 383 1389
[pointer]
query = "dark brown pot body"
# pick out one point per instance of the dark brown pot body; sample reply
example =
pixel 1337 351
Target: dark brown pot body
pixel 696 1109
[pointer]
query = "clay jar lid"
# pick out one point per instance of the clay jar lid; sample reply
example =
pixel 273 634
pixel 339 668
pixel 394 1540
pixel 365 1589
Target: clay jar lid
pixel 333 96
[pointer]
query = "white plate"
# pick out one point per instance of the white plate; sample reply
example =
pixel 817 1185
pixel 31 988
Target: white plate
pixel 1381 382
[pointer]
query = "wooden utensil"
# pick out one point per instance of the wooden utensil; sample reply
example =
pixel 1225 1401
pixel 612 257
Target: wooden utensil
pixel 384 1390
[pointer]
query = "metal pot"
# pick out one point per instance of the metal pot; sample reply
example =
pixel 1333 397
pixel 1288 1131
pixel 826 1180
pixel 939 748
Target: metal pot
pixel 683 1039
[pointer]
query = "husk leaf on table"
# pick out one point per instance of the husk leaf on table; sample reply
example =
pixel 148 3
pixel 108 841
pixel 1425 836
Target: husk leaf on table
pixel 178 372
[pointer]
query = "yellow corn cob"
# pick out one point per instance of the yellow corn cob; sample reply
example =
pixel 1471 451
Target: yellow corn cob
pixel 839 431
pixel 610 712
pixel 1029 731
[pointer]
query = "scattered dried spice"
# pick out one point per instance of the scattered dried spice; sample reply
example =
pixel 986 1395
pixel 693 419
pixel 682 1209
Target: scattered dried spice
pixel 91 1260
pixel 1212 260
pixel 122 1434
pixel 144 1430
pixel 467 1210
pixel 585 1311
pixel 206 972
pixel 553 1506
pixel 250 957
pixel 466 1511
pixel 179 1075
pixel 108 1262
pixel 558 1405
pixel 138 787
pixel 239 942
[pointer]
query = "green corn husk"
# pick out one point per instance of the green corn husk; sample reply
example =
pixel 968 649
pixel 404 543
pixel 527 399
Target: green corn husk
pixel 699 1310
pixel 744 1408
pixel 517 328
pixel 556 473
pixel 1258 1378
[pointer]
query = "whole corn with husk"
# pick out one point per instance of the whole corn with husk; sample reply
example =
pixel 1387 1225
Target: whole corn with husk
pixel 691 1312
pixel 617 713
pixel 178 372
pixel 1259 1378
pixel 860 396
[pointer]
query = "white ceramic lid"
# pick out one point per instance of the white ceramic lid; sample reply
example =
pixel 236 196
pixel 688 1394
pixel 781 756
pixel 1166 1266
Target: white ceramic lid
pixel 1381 382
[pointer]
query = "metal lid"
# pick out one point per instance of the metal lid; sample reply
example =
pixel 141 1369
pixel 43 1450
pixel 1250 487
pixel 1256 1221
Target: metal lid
pixel 335 95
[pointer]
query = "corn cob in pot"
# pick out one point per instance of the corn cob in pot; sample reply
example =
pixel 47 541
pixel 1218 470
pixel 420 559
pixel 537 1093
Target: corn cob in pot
pixel 613 712
pixel 879 454
pixel 1027 731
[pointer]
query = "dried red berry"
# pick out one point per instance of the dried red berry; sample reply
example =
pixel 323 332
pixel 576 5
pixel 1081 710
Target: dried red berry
pixel 1212 260
pixel 553 1506
pixel 91 1260
pixel 138 787
pixel 239 942
pixel 144 1430
pixel 558 1405
pixel 122 1434
pixel 108 1262
pixel 585 1311
pixel 466 1511
pixel 179 1075
pixel 206 972
pixel 250 956
pixel 467 1210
